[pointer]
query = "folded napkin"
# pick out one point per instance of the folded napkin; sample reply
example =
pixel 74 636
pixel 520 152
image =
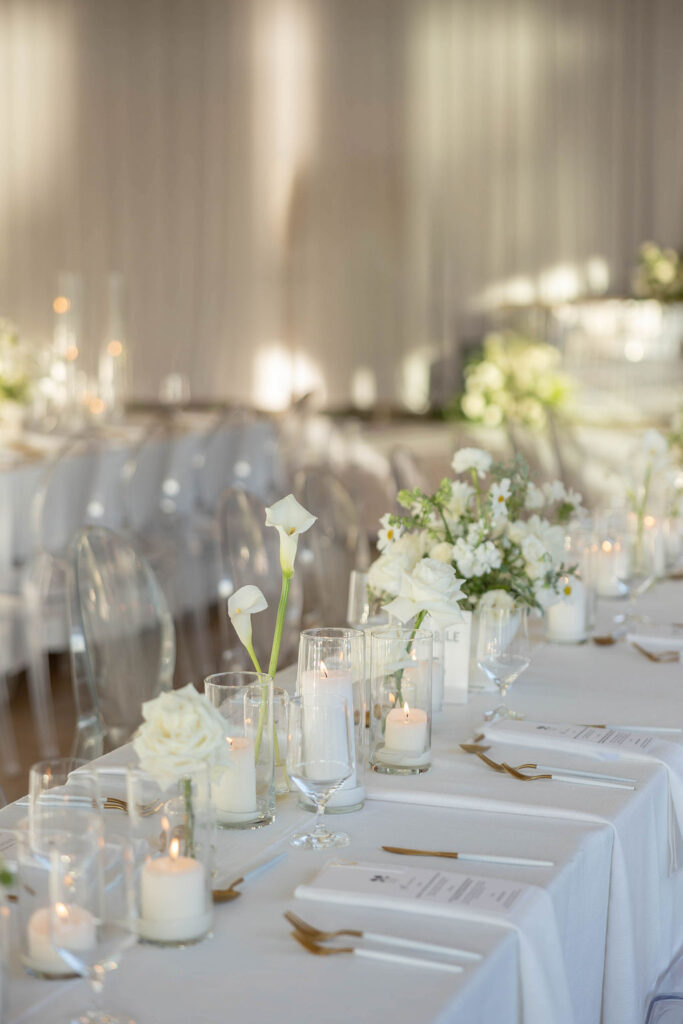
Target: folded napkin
pixel 607 744
pixel 526 909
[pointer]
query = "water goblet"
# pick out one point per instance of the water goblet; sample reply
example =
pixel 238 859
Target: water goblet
pixel 503 652
pixel 93 912
pixel 319 759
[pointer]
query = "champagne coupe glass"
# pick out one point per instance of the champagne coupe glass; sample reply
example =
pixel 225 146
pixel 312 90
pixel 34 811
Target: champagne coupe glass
pixel 93 912
pixel 503 651
pixel 319 759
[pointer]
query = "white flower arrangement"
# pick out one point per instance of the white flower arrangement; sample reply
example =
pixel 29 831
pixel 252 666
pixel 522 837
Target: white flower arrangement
pixel 477 538
pixel 517 380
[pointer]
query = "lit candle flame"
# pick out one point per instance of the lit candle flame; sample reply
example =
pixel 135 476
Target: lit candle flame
pixel 649 522
pixel 406 710
pixel 62 911
pixel 606 546
pixel 323 670
pixel 165 823
pixel 174 849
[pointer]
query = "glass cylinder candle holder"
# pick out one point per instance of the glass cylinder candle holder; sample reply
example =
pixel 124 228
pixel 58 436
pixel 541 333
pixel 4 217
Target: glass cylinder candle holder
pixel 172 822
pixel 566 614
pixel 280 712
pixel 332 663
pixel 401 701
pixel 243 781
pixel 36 841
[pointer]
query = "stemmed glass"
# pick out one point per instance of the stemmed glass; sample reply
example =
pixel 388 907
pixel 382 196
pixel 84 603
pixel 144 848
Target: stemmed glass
pixel 638 570
pixel 93 911
pixel 503 651
pixel 319 760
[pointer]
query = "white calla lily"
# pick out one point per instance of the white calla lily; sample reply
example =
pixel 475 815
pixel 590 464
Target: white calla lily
pixel 244 603
pixel 290 519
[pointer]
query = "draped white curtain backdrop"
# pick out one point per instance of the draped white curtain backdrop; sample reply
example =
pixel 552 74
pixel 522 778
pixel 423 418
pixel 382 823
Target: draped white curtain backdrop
pixel 327 193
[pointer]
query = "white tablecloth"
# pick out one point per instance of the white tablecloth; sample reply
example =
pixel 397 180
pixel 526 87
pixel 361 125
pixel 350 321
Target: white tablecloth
pixel 616 904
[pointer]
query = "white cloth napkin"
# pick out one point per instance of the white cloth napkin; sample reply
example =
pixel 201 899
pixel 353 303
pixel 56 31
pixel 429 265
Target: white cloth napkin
pixel 607 744
pixel 543 979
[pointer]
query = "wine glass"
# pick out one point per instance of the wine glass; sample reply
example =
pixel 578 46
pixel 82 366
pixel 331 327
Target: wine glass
pixel 93 912
pixel 319 759
pixel 638 569
pixel 503 651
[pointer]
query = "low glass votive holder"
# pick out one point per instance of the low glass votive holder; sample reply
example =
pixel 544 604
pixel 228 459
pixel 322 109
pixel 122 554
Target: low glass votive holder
pixel 172 823
pixel 332 664
pixel 36 843
pixel 401 701
pixel 243 780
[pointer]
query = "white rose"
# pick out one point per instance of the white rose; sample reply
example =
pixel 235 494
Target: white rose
pixel 499 600
pixel 180 728
pixel 472 458
pixel 431 587
pixel 442 552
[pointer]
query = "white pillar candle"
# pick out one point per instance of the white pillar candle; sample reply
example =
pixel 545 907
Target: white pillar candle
pixel 657 545
pixel 318 685
pixel 73 928
pixel 406 731
pixel 173 898
pixel 233 789
pixel 566 618
pixel 611 566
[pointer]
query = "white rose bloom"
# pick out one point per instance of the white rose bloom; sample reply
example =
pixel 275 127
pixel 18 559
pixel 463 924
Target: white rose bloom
pixel 388 533
pixel 442 552
pixel 499 600
pixel 180 728
pixel 431 587
pixel 289 519
pixel 384 575
pixel 472 458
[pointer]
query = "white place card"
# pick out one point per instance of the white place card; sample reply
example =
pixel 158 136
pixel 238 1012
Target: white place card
pixel 420 889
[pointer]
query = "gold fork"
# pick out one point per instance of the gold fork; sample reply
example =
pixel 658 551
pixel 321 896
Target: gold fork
pixel 114 803
pixel 502 768
pixel 375 954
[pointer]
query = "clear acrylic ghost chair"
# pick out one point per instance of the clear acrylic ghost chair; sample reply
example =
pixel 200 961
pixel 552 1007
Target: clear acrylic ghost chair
pixel 332 548
pixel 122 639
pixel 250 553
pixel 58 508
pixel 666 1006
pixel 407 473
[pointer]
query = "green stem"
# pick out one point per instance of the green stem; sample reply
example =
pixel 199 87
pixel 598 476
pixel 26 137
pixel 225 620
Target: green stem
pixel 252 654
pixel 189 817
pixel 399 675
pixel 477 491
pixel 445 525
pixel 279 623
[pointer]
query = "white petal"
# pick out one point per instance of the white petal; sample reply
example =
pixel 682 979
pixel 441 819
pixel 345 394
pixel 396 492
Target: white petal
pixel 288 514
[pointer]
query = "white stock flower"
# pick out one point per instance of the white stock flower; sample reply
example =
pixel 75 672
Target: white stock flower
pixel 384 575
pixel 244 603
pixel 461 492
pixel 472 458
pixel 463 556
pixel 654 445
pixel 535 556
pixel 289 519
pixel 180 729
pixel 388 533
pixel 554 491
pixel 486 557
pixel 442 552
pixel 431 587
pixel 534 498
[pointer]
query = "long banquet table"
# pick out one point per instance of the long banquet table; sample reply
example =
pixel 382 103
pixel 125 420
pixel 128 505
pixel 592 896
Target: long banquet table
pixel 603 922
